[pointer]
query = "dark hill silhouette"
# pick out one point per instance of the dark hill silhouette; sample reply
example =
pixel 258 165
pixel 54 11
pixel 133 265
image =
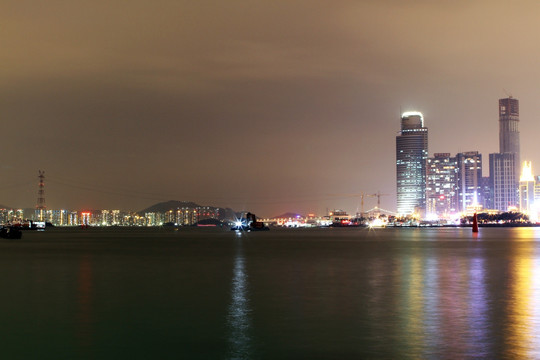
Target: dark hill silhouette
pixel 169 205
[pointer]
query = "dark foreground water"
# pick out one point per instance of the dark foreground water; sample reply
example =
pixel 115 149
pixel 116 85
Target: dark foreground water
pixel 282 294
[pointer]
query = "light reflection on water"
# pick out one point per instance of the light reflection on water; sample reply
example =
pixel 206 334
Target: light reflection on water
pixel 412 316
pixel 446 307
pixel 523 338
pixel 391 294
pixel 431 321
pixel 478 325
pixel 239 321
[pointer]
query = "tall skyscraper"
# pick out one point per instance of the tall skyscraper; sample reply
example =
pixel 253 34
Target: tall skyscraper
pixel 411 156
pixel 508 129
pixel 504 167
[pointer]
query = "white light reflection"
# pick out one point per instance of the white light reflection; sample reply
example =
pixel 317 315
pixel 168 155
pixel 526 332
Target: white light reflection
pixel 238 319
pixel 432 318
pixel 478 310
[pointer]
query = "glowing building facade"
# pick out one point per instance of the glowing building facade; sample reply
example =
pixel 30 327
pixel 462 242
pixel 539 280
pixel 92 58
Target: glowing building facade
pixel 469 179
pixel 411 156
pixel 526 189
pixel 504 166
pixel 502 176
pixel 441 187
pixel 486 193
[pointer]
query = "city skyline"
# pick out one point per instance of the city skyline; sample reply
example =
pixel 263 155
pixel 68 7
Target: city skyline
pixel 271 107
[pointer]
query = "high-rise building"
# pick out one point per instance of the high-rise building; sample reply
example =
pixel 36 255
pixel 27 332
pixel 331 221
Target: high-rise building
pixel 526 189
pixel 486 193
pixel 441 187
pixel 469 179
pixel 504 166
pixel 411 156
pixel 509 129
pixel 502 176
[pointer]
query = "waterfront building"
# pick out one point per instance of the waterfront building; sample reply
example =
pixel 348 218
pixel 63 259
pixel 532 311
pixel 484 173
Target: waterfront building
pixel 527 189
pixel 502 174
pixel 537 190
pixel 11 216
pixel 170 217
pixel 58 217
pixel 186 216
pixel 411 156
pixel 504 166
pixel 116 217
pixel 152 219
pixel 469 178
pixel 486 193
pixel 4 216
pixel 441 186
pixel 106 218
pixel 86 218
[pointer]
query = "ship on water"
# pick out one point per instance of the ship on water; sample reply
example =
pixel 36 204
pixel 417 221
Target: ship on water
pixel 249 223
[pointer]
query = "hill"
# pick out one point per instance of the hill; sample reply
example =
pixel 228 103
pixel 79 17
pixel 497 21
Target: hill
pixel 169 205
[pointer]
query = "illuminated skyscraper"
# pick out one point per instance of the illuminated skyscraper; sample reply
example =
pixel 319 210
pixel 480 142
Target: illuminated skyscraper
pixel 469 179
pixel 504 166
pixel 411 156
pixel 526 189
pixel 502 176
pixel 441 188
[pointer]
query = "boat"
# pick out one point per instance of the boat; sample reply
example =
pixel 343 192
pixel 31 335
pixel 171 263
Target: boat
pixel 10 232
pixel 249 223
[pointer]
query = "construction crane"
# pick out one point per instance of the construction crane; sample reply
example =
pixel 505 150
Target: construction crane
pixel 363 195
pixel 378 196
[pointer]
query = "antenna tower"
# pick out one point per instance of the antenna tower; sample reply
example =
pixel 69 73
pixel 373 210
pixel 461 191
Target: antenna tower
pixel 40 206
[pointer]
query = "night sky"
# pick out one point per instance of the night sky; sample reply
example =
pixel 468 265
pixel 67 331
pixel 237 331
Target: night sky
pixel 268 106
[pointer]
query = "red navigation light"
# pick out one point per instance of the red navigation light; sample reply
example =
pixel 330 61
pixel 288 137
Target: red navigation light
pixel 441 197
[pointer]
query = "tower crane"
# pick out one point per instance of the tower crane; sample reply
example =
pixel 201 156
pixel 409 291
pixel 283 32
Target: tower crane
pixel 363 195
pixel 378 196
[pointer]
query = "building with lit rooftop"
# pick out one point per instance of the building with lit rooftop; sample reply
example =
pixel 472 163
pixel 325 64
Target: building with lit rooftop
pixel 411 156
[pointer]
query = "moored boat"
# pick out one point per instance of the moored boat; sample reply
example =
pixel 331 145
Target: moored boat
pixel 10 232
pixel 249 223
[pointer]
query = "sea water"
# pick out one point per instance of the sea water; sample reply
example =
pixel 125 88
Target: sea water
pixel 156 293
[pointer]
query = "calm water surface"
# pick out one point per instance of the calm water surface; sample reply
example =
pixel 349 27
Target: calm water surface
pixel 282 294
